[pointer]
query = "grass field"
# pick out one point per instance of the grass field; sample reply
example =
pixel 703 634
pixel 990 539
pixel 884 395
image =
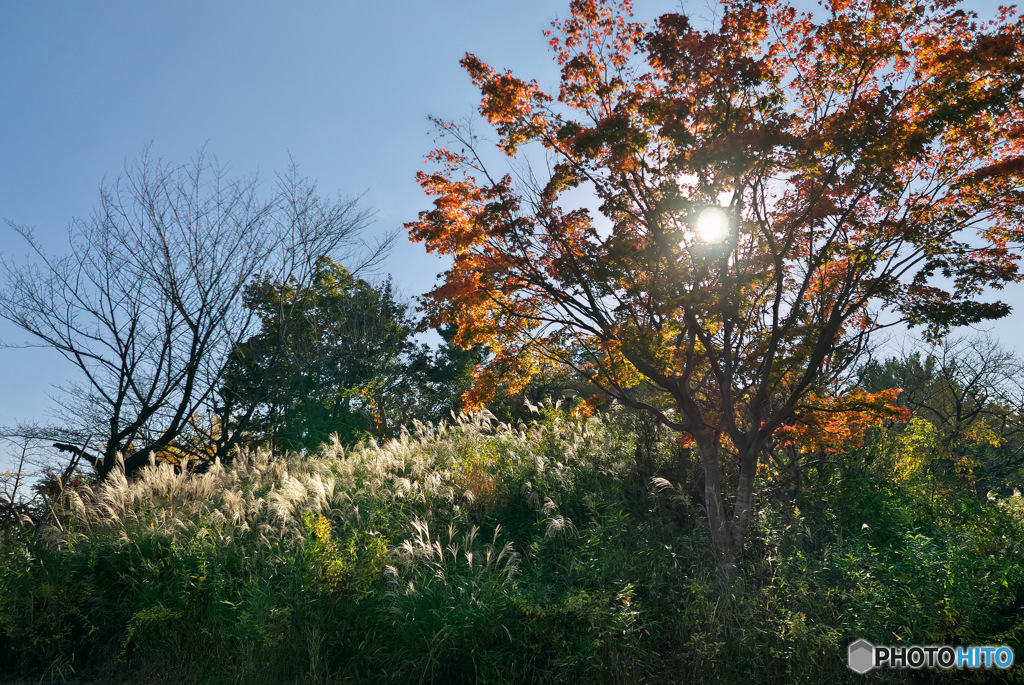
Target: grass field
pixel 566 551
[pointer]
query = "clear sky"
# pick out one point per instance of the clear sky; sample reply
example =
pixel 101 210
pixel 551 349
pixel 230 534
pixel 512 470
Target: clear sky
pixel 344 87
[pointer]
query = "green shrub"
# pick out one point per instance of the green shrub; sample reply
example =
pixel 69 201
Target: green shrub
pixel 480 553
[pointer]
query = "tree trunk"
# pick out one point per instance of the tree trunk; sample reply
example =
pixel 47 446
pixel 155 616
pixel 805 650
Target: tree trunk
pixel 725 557
pixel 744 500
pixel 728 532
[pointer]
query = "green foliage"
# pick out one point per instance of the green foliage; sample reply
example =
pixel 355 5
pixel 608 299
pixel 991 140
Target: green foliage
pixel 321 362
pixel 337 357
pixel 969 391
pixel 441 377
pixel 485 553
pixel 348 568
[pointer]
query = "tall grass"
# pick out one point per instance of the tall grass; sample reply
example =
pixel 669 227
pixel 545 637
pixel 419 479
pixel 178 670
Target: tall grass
pixel 482 552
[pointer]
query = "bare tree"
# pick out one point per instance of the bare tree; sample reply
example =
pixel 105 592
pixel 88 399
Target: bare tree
pixel 15 508
pixel 147 303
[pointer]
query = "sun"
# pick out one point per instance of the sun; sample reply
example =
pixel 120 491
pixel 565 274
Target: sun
pixel 713 225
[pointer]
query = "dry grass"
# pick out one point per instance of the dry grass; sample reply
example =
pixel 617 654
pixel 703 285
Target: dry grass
pixel 265 495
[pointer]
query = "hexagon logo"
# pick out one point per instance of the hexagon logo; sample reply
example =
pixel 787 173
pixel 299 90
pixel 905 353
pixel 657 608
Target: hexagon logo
pixel 862 656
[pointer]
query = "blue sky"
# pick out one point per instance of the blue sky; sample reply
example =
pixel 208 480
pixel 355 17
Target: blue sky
pixel 344 87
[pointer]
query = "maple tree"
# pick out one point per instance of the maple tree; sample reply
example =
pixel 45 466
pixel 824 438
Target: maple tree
pixel 766 193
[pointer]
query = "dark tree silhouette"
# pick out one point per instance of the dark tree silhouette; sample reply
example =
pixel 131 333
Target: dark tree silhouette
pixel 147 303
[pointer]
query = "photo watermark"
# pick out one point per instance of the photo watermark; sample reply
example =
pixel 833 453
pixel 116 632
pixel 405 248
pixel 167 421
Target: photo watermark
pixel 864 656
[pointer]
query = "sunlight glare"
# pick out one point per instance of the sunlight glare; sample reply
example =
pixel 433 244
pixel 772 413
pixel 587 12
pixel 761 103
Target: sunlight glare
pixel 713 225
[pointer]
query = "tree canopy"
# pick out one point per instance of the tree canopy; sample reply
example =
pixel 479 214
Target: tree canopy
pixel 332 364
pixel 336 357
pixel 147 302
pixel 727 213
pixel 971 390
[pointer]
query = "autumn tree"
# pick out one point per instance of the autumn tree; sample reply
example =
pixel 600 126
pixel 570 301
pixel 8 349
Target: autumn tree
pixel 727 213
pixel 146 304
pixel 971 389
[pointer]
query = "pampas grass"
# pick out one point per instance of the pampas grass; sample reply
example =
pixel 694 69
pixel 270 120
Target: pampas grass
pixel 474 551
pixel 413 524
pixel 261 496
